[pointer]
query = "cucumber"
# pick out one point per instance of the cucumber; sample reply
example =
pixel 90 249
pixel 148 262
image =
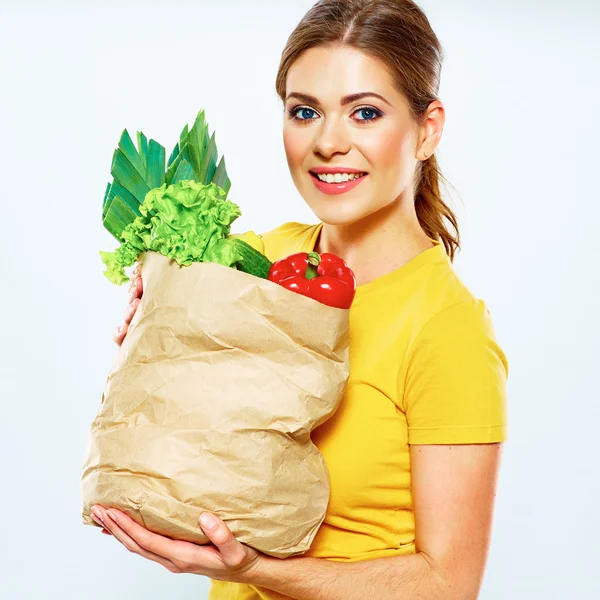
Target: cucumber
pixel 251 261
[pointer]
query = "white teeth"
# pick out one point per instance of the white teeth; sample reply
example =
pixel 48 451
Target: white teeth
pixel 339 177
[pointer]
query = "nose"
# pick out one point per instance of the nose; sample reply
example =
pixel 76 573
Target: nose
pixel 332 138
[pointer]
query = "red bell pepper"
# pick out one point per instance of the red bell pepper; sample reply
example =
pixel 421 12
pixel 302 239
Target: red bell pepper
pixel 323 277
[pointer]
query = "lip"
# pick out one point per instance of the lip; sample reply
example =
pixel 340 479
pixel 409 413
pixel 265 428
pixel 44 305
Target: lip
pixel 328 170
pixel 337 188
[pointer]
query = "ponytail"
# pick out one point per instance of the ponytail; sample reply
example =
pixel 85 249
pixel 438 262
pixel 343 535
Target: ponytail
pixel 431 209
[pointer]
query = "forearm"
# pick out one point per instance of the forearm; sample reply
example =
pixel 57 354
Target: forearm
pixel 408 577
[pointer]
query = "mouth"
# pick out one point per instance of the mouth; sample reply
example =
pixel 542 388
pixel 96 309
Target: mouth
pixel 337 177
pixel 337 183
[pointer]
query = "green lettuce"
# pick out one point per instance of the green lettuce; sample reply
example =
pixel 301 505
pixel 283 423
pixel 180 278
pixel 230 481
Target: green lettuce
pixel 186 221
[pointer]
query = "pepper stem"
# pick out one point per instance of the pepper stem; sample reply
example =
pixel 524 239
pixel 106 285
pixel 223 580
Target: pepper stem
pixel 314 260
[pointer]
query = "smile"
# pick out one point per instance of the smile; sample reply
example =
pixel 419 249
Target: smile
pixel 337 183
pixel 338 177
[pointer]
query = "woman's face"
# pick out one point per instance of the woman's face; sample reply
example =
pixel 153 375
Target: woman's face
pixel 369 134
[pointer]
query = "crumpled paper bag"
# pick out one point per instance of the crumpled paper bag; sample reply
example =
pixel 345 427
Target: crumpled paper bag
pixel 209 407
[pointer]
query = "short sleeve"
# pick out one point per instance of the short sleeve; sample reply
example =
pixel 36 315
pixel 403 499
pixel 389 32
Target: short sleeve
pixel 455 386
pixel 285 239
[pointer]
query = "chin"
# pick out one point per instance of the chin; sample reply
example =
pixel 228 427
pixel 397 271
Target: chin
pixel 341 214
pixel 339 210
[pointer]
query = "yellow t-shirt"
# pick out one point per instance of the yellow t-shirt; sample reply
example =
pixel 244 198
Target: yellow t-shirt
pixel 425 368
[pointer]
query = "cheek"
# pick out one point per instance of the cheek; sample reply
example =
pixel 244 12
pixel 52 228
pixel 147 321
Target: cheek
pixel 295 147
pixel 390 151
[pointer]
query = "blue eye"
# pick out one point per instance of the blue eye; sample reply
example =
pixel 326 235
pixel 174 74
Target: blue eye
pixel 303 113
pixel 374 114
pixel 301 110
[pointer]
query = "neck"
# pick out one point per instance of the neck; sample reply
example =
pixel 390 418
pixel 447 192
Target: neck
pixel 378 244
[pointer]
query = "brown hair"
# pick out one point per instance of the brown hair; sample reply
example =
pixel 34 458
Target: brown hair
pixel 398 33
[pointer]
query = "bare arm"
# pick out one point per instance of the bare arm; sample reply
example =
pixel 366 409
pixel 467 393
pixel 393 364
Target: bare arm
pixel 454 489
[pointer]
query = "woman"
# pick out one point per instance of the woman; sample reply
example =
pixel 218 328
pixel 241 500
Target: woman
pixel 413 450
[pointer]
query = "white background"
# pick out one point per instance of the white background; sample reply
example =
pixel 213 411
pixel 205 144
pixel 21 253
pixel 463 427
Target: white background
pixel 520 86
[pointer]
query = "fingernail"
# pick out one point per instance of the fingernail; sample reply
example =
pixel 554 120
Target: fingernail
pixel 112 515
pixel 99 521
pixel 97 513
pixel 208 521
pixel 136 270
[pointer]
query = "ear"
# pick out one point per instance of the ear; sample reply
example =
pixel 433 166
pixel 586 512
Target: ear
pixel 431 128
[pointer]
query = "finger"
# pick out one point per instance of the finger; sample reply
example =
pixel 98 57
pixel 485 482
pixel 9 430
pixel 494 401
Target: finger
pixel 119 334
pixel 130 543
pixel 138 286
pixel 188 557
pixel 103 530
pixel 130 311
pixel 135 289
pixel 232 552
pixel 146 539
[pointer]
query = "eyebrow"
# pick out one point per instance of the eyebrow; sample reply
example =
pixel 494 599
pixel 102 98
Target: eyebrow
pixel 345 100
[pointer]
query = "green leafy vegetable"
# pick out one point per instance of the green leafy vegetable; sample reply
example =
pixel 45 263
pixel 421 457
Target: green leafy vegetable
pixel 186 221
pixel 137 171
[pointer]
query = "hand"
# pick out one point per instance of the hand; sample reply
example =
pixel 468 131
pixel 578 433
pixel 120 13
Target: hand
pixel 226 559
pixel 135 295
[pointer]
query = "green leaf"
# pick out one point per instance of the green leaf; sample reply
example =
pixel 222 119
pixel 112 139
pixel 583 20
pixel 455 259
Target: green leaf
pixel 155 173
pixel 124 256
pixel 107 197
pixel 220 177
pixel 118 216
pixel 209 162
pixel 196 143
pixel 201 151
pixel 185 171
pixel 183 135
pixel 183 155
pixel 128 176
pixel 118 190
pixel 174 155
pixel 129 150
pixel 143 150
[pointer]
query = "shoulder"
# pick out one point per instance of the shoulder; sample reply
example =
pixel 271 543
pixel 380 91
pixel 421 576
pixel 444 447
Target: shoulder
pixel 452 335
pixel 447 304
pixel 287 239
pixel 456 319
pixel 454 388
pixel 468 316
pixel 440 302
pixel 459 344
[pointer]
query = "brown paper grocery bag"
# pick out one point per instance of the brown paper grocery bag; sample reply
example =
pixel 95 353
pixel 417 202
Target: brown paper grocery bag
pixel 209 407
